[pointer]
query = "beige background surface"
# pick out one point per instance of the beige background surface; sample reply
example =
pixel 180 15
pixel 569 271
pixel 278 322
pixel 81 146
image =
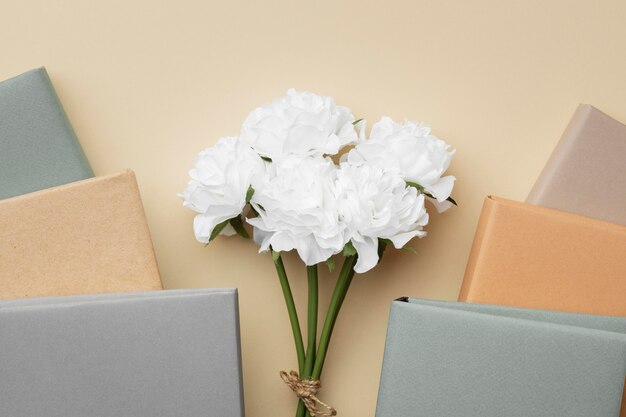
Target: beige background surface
pixel 147 84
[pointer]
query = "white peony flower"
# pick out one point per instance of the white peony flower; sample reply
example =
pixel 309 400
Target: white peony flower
pixel 298 209
pixel 375 202
pixel 219 183
pixel 421 157
pixel 299 124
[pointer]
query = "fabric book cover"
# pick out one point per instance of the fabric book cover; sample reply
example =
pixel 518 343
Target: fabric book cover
pixel 454 359
pixel 86 237
pixel 535 257
pixel 153 354
pixel 38 148
pixel 586 173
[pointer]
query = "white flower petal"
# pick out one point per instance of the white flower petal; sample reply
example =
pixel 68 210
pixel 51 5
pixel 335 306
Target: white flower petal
pixel 311 253
pixel 203 227
pixel 220 181
pixel 402 239
pixel 442 189
pixel 282 242
pixel 300 124
pixel 297 207
pixel 228 230
pixel 368 254
pixel 262 238
pixel 440 206
pixel 409 147
pixel 375 202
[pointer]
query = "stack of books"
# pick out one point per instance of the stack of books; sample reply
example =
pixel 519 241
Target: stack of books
pixel 539 329
pixel 85 326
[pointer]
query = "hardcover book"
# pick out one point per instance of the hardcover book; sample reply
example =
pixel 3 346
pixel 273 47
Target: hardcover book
pixel 153 354
pixel 535 257
pixel 86 237
pixel 38 148
pixel 586 173
pixel 455 359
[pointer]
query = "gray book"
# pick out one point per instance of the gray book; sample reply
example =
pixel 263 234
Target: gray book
pixel 447 359
pixel 38 147
pixel 586 173
pixel 153 354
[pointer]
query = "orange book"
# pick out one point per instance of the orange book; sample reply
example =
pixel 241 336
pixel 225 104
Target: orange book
pixel 86 237
pixel 535 257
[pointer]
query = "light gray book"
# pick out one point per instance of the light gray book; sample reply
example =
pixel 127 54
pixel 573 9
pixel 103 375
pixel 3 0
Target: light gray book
pixel 447 359
pixel 38 147
pixel 154 354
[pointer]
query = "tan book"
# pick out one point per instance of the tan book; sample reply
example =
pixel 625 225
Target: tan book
pixel 586 173
pixel 535 257
pixel 86 237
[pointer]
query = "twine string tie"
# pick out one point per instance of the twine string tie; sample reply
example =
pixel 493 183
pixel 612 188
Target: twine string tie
pixel 306 390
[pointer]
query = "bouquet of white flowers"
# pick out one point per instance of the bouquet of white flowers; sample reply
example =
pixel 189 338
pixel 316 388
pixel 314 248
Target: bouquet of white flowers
pixel 283 175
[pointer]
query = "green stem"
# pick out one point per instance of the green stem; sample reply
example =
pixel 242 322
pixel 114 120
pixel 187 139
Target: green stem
pixel 312 321
pixel 301 410
pixel 291 309
pixel 311 330
pixel 339 295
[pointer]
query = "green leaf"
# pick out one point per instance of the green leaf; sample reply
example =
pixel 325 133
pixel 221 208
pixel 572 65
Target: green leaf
pixel 419 187
pixel 266 159
pixel 237 224
pixel 349 250
pixel 217 229
pixel 410 249
pixel 275 255
pixel 356 122
pixel 330 263
pixel 249 194
pixel 382 245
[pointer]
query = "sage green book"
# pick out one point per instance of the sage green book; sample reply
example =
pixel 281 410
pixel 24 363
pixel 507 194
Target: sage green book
pixel 447 359
pixel 38 147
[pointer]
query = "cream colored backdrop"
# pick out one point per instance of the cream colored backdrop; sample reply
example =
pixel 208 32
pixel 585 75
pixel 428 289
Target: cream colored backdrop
pixel 149 83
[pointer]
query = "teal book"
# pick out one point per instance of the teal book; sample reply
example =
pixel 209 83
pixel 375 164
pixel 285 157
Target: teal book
pixel 38 147
pixel 447 359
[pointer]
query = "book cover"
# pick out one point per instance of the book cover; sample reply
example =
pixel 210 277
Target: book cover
pixel 535 257
pixel 586 173
pixel 456 359
pixel 158 353
pixel 86 237
pixel 38 147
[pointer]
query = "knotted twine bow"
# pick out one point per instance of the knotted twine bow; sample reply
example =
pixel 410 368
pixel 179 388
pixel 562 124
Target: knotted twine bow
pixel 306 390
